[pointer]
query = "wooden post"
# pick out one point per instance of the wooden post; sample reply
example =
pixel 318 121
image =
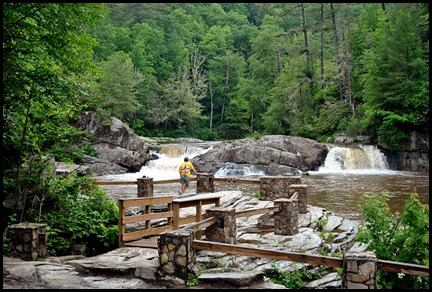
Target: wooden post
pixel 198 218
pixel 176 217
pixel 122 227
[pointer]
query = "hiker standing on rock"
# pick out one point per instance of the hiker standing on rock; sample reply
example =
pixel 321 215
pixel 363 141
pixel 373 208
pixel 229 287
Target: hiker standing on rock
pixel 185 170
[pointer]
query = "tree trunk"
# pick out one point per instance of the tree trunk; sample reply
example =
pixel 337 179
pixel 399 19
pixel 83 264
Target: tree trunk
pixel 347 72
pixel 336 41
pixel 306 43
pixel 322 45
pixel 226 84
pixel 211 105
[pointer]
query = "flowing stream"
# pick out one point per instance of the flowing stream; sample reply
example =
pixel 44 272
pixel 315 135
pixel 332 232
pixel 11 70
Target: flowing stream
pixel 339 185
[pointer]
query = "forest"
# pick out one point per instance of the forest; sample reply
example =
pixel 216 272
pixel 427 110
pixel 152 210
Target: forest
pixel 230 70
pixel 218 71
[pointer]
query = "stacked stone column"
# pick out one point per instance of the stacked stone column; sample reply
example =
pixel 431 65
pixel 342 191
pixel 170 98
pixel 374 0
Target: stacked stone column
pixel 27 241
pixel 359 270
pixel 176 255
pixel 205 183
pixel 286 220
pixel 225 228
pixel 301 190
pixel 145 187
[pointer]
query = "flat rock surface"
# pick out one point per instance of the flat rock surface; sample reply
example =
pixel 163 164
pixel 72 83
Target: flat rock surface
pixel 137 267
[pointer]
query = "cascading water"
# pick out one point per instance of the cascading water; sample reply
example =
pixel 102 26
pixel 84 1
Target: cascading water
pixel 165 167
pixel 361 159
pixel 237 170
pixel 338 185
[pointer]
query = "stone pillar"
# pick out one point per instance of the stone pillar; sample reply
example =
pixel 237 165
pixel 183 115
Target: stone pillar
pixel 145 187
pixel 286 220
pixel 276 187
pixel 205 183
pixel 359 270
pixel 225 228
pixel 27 241
pixel 302 196
pixel 176 255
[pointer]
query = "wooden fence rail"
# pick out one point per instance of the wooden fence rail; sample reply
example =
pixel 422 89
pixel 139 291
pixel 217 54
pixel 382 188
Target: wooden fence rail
pixel 388 266
pixel 168 181
pixel 147 203
pixel 171 216
pixel 199 223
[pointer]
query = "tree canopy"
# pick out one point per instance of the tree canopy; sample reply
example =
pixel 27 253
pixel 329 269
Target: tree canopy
pixel 305 69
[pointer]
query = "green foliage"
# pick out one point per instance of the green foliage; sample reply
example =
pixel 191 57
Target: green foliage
pixel 206 134
pixel 192 280
pixel 5 246
pixel 395 75
pixel 217 263
pixel 328 236
pixel 47 68
pixel 230 131
pixel 117 89
pixel 243 68
pixel 257 195
pixel 397 237
pixel 331 117
pixel 256 135
pixel 79 213
pixel 292 280
pixel 321 223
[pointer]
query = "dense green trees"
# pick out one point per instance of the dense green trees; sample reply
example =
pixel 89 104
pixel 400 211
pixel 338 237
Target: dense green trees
pixel 396 73
pixel 47 71
pixel 311 69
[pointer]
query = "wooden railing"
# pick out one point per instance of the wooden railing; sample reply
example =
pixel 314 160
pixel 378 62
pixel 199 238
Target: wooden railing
pixel 388 266
pixel 198 224
pixel 168 181
pixel 147 203
pixel 171 216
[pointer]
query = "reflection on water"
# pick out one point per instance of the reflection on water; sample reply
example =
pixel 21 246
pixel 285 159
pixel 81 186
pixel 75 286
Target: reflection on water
pixel 342 192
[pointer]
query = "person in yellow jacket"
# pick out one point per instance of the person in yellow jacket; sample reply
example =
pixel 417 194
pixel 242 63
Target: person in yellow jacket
pixel 185 170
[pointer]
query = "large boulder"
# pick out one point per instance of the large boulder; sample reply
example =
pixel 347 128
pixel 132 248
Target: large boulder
pixel 275 154
pixel 115 143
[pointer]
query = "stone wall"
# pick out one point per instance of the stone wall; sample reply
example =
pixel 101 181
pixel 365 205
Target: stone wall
pixel 277 187
pixel 27 241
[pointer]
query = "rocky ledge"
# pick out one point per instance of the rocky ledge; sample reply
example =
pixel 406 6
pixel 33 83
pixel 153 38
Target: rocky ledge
pixel 320 233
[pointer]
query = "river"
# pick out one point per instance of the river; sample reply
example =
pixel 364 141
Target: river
pixel 338 186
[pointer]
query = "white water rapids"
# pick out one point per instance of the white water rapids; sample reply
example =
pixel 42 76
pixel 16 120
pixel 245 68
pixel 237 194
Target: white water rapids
pixel 347 174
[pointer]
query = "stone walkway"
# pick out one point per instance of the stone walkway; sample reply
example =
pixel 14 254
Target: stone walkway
pixel 136 267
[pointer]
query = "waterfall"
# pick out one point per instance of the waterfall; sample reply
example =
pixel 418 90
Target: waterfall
pixel 366 159
pixel 363 158
pixel 165 167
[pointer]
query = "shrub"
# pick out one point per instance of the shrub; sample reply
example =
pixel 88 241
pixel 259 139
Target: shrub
pixel 78 212
pixel 397 237
pixel 293 279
